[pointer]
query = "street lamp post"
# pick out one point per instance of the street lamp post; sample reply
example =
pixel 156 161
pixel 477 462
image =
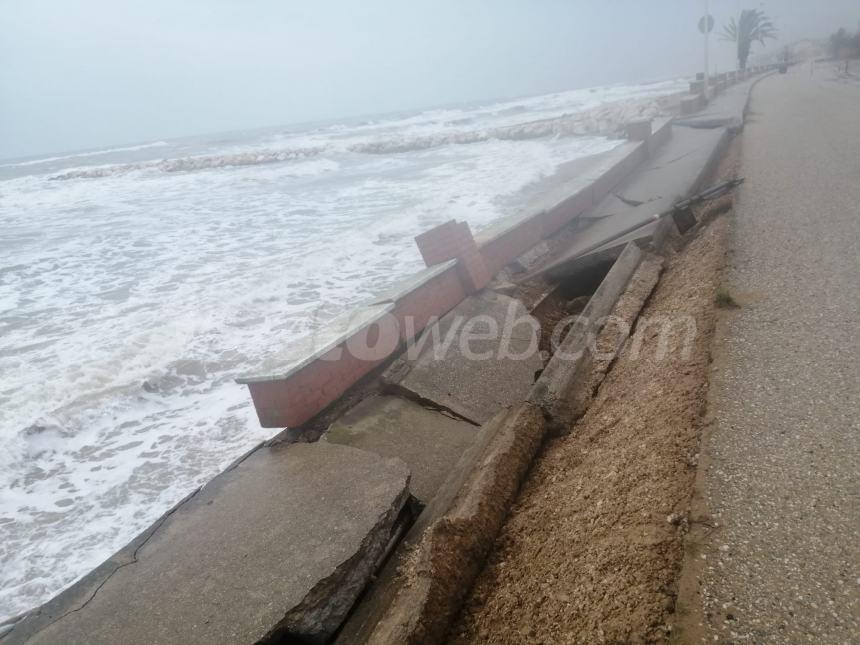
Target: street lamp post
pixel 707 33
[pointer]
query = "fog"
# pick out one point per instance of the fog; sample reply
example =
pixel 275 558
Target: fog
pixel 78 74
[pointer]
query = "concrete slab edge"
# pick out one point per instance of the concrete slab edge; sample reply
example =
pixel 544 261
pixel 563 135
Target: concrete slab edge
pixel 459 529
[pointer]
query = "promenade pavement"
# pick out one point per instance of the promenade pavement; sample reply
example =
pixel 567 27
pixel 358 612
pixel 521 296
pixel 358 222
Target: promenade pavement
pixel 783 562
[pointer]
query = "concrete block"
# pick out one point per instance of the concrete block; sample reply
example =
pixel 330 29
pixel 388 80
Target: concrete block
pixel 427 441
pixel 697 87
pixel 453 536
pixel 563 389
pixel 664 231
pixel 638 130
pixel 454 240
pixel 480 358
pixel 278 548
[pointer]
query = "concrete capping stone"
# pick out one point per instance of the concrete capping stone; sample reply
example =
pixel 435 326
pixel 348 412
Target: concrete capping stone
pixel 406 286
pixel 314 346
pixel 562 391
pixel 639 130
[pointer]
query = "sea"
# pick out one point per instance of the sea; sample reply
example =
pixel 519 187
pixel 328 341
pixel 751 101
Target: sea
pixel 137 282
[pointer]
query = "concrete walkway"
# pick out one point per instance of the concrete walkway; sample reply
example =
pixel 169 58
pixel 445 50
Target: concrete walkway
pixel 783 562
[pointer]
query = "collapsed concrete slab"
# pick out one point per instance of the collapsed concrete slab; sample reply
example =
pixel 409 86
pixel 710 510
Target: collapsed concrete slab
pixel 480 358
pixel 278 547
pixel 428 441
pixel 675 172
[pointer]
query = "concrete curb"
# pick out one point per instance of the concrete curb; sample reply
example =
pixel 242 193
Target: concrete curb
pixel 459 530
pixel 561 392
pixel 749 94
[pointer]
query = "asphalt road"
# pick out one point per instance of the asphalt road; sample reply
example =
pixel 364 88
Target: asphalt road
pixel 783 566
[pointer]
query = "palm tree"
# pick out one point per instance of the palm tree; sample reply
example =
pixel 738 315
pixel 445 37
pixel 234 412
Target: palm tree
pixel 753 25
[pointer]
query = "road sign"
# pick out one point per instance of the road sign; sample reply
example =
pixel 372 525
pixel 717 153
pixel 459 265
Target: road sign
pixel 710 19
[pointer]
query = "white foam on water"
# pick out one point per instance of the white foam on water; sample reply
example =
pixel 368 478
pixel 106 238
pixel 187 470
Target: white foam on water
pixel 130 300
pixel 90 153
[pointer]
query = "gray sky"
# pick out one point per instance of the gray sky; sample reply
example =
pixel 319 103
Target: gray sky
pixel 87 73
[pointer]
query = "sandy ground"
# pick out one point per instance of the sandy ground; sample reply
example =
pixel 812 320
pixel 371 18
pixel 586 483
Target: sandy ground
pixel 777 557
pixel 593 547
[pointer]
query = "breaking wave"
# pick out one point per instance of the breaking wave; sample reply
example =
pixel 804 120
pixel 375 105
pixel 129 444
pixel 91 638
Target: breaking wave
pixel 184 164
pixel 604 120
pixel 93 153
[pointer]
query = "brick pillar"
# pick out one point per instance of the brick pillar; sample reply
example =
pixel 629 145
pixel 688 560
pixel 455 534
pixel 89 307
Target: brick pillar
pixel 453 240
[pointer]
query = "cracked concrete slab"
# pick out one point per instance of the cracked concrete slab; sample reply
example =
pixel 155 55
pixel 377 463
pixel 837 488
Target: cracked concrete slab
pixel 481 357
pixel 281 545
pixel 428 441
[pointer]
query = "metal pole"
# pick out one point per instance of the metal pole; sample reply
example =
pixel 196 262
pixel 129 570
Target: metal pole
pixel 707 35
